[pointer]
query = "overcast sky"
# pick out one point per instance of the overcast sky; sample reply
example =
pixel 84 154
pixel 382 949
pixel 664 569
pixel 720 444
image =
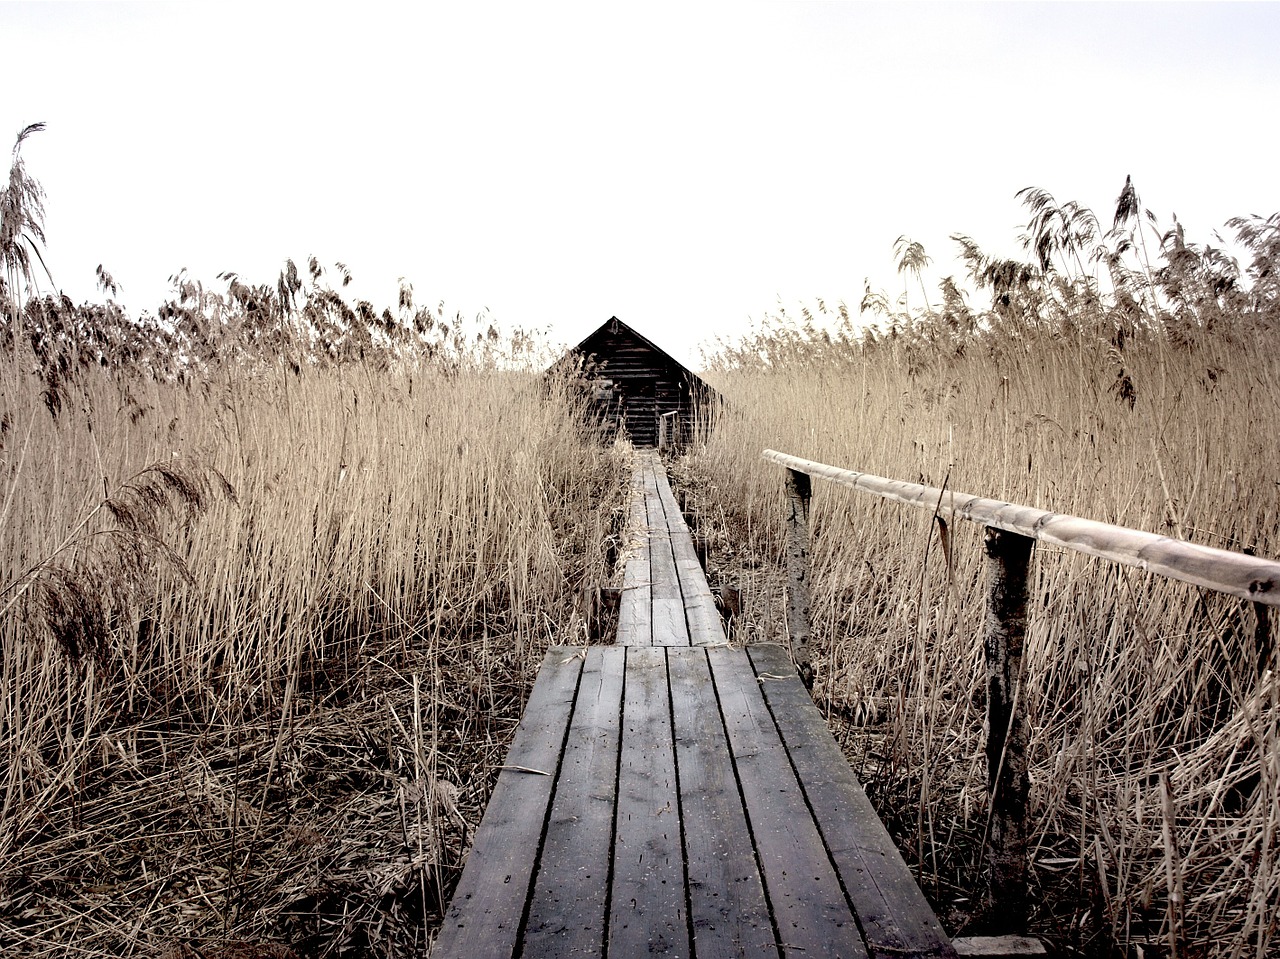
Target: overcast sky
pixel 681 166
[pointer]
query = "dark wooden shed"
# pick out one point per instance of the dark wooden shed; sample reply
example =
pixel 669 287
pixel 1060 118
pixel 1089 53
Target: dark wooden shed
pixel 637 387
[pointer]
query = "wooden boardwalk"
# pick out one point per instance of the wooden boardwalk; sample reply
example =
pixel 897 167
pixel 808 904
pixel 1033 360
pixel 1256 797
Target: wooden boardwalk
pixel 673 796
pixel 665 597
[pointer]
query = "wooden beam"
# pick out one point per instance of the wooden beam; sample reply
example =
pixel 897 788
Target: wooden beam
pixel 804 892
pixel 1247 577
pixel 669 626
pixel 1009 556
pixel 705 628
pixel 799 493
pixel 897 921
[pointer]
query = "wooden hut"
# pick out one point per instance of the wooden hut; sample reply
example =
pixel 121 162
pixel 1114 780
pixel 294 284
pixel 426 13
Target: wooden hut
pixel 635 386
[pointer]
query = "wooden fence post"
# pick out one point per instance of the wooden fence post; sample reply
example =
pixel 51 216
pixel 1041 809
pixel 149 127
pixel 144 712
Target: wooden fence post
pixel 1262 637
pixel 1008 560
pixel 1263 645
pixel 799 491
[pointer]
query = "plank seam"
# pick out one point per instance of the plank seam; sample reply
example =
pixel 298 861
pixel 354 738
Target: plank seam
pixel 684 845
pixel 684 600
pixel 872 949
pixel 613 832
pixel 546 820
pixel 666 521
pixel 663 537
pixel 742 798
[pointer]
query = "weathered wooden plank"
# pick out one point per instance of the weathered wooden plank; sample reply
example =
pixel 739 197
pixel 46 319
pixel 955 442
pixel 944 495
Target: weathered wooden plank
pixel 727 908
pixel 647 912
pixel 669 626
pixel 635 624
pixel 490 899
pixel 570 890
pixel 896 919
pixel 808 904
pixel 701 615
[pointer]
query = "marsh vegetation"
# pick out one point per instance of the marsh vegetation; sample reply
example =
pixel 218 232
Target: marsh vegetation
pixel 1093 380
pixel 277 569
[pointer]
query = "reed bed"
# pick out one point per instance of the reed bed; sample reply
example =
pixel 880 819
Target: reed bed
pixel 266 632
pixel 1155 775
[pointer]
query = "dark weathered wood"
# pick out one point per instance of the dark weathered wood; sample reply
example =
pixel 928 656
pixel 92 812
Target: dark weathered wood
pixel 489 902
pixel 799 492
pixel 1263 644
pixel 647 911
pixel 680 756
pixel 635 625
pixel 1238 574
pixel 808 904
pixel 669 626
pixel 727 908
pixel 1009 556
pixel 896 919
pixel 570 890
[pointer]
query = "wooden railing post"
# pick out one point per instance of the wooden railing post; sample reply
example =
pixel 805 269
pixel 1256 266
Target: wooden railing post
pixel 799 491
pixel 1263 645
pixel 1008 560
pixel 1262 641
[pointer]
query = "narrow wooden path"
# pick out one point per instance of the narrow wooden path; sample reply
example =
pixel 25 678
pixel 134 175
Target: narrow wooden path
pixel 673 796
pixel 665 597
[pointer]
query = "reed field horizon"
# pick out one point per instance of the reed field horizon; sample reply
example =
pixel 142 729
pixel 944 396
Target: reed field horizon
pixel 278 569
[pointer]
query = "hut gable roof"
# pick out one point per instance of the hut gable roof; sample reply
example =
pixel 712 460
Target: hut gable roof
pixel 606 339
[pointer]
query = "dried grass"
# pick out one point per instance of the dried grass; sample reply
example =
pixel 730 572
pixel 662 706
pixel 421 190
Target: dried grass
pixel 255 691
pixel 1153 742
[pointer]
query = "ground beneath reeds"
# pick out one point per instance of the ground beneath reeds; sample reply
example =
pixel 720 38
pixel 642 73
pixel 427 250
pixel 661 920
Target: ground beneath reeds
pixel 340 835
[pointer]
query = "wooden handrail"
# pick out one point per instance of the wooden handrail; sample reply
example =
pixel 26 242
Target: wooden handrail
pixel 1007 543
pixel 1238 574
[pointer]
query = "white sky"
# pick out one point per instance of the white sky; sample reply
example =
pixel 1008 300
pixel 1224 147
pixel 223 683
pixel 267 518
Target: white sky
pixel 682 166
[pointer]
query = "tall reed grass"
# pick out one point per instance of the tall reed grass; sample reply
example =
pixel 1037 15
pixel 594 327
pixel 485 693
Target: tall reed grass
pixel 264 633
pixel 1154 763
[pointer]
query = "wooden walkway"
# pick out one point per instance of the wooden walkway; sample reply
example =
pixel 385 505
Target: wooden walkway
pixel 673 796
pixel 665 597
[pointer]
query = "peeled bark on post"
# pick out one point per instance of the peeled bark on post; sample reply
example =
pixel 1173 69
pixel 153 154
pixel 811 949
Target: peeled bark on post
pixel 799 491
pixel 1009 556
pixel 1262 637
pixel 1263 645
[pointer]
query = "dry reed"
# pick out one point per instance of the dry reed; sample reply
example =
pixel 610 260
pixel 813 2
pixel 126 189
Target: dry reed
pixel 265 636
pixel 1155 775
